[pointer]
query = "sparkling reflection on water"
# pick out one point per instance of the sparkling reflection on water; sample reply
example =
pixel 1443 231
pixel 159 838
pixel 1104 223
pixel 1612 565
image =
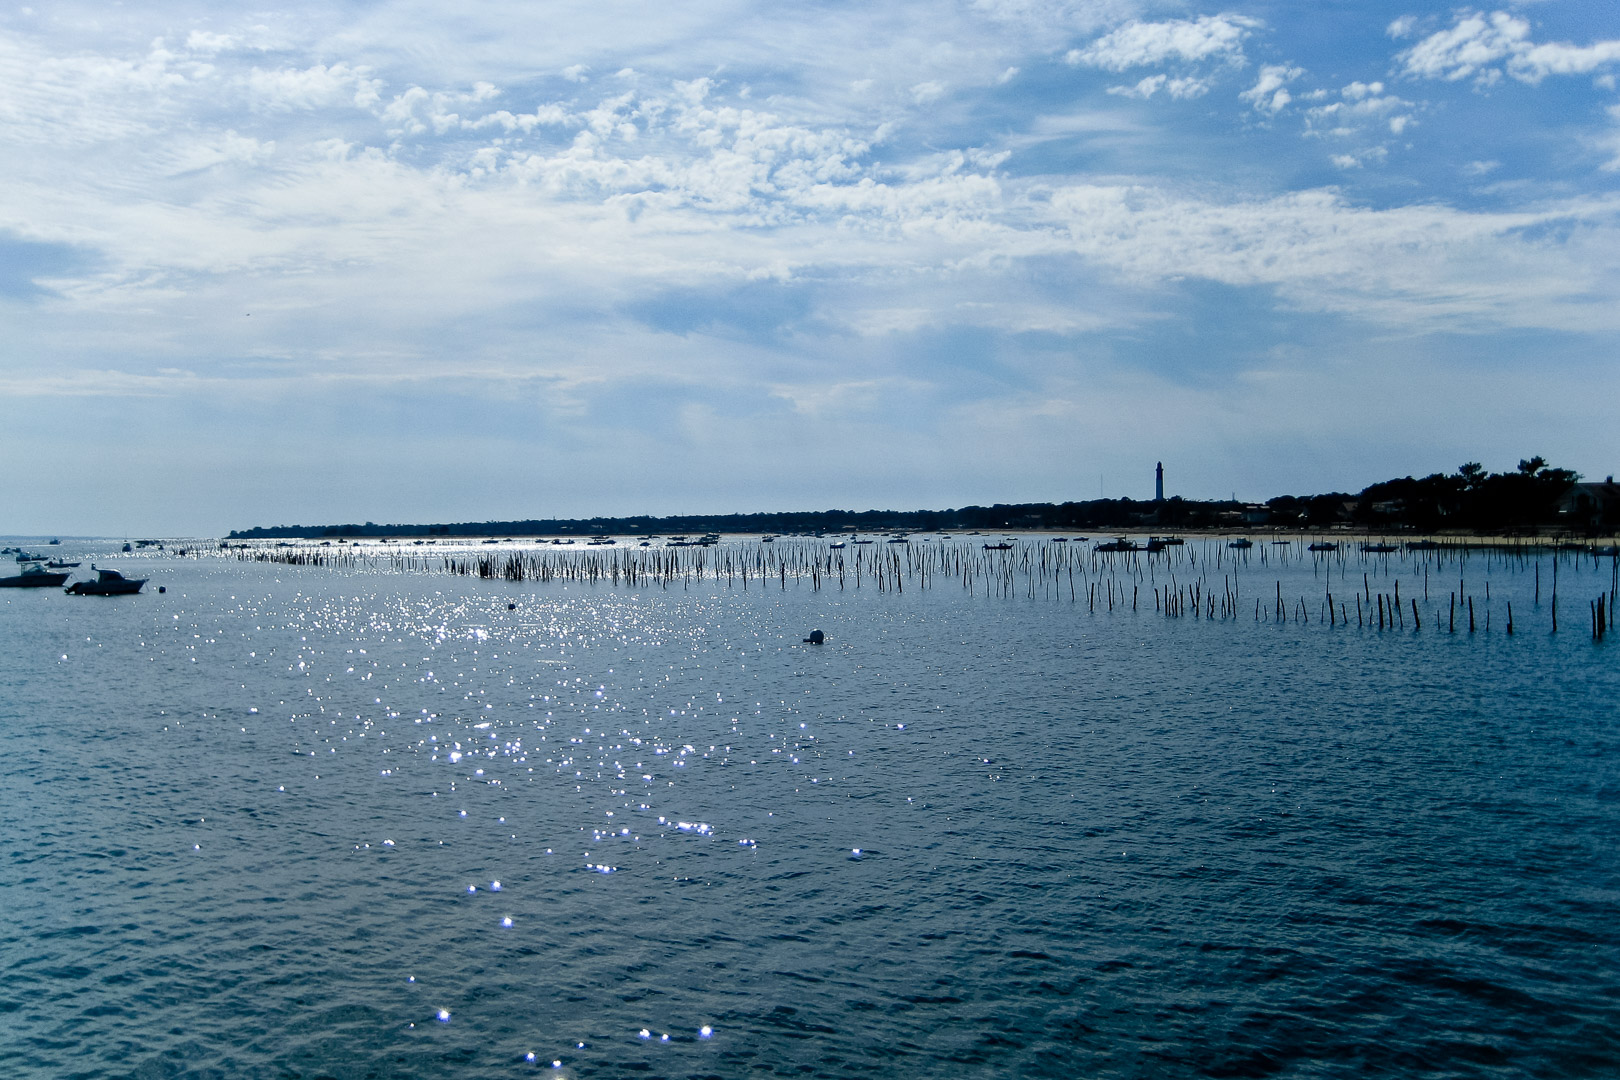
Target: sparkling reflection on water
pixel 283 821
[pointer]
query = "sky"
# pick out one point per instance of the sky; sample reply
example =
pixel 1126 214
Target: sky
pixel 419 262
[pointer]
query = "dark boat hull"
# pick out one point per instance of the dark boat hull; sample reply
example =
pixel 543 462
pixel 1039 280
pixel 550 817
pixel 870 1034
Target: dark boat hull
pixel 105 588
pixel 32 581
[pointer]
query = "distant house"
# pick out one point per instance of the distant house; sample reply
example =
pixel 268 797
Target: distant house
pixel 1593 504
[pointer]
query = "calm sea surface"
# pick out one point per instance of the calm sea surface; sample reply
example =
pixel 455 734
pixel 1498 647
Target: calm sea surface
pixel 253 826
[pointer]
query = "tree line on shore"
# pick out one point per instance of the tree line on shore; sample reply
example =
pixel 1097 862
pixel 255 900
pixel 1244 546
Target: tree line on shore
pixel 1531 497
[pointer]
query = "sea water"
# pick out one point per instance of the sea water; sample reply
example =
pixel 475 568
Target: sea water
pixel 295 822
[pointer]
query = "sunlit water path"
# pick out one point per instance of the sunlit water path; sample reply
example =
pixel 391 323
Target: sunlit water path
pixel 254 826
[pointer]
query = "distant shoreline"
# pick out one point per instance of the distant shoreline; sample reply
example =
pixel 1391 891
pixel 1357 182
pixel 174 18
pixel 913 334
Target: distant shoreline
pixel 1529 501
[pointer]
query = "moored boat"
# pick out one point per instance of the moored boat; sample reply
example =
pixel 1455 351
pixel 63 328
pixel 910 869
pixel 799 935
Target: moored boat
pixel 107 583
pixel 32 577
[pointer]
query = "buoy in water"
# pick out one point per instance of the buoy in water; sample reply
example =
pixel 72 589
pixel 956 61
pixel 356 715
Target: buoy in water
pixel 163 588
pixel 511 607
pixel 816 638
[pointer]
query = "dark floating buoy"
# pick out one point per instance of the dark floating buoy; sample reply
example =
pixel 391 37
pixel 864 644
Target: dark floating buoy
pixel 816 638
pixel 163 588
pixel 511 607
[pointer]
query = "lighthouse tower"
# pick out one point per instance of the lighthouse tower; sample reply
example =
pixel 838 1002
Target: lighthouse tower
pixel 1158 483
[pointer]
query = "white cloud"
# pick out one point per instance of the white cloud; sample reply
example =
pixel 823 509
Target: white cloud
pixel 1361 105
pixel 228 149
pixel 575 72
pixel 1145 44
pixel 1269 93
pixel 201 41
pixel 1540 61
pixel 1483 47
pixel 1357 160
pixel 417 111
pixel 1180 89
pixel 314 87
pixel 1414 264
pixel 926 92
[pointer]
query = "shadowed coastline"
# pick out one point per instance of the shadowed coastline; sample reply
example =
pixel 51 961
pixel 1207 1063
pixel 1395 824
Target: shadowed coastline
pixel 1532 498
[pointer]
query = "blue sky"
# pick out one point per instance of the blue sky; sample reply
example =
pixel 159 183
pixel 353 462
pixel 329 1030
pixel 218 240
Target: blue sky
pixel 408 262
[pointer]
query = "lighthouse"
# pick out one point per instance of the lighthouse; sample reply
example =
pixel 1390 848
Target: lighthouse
pixel 1158 483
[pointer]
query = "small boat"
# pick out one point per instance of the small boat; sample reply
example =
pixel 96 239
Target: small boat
pixel 1423 545
pixel 1120 544
pixel 55 540
pixel 863 541
pixel 32 577
pixel 1281 543
pixel 56 564
pixel 1245 542
pixel 836 545
pixel 998 547
pixel 128 548
pixel 107 583
pixel 1379 549
pixel 1321 545
pixel 900 540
